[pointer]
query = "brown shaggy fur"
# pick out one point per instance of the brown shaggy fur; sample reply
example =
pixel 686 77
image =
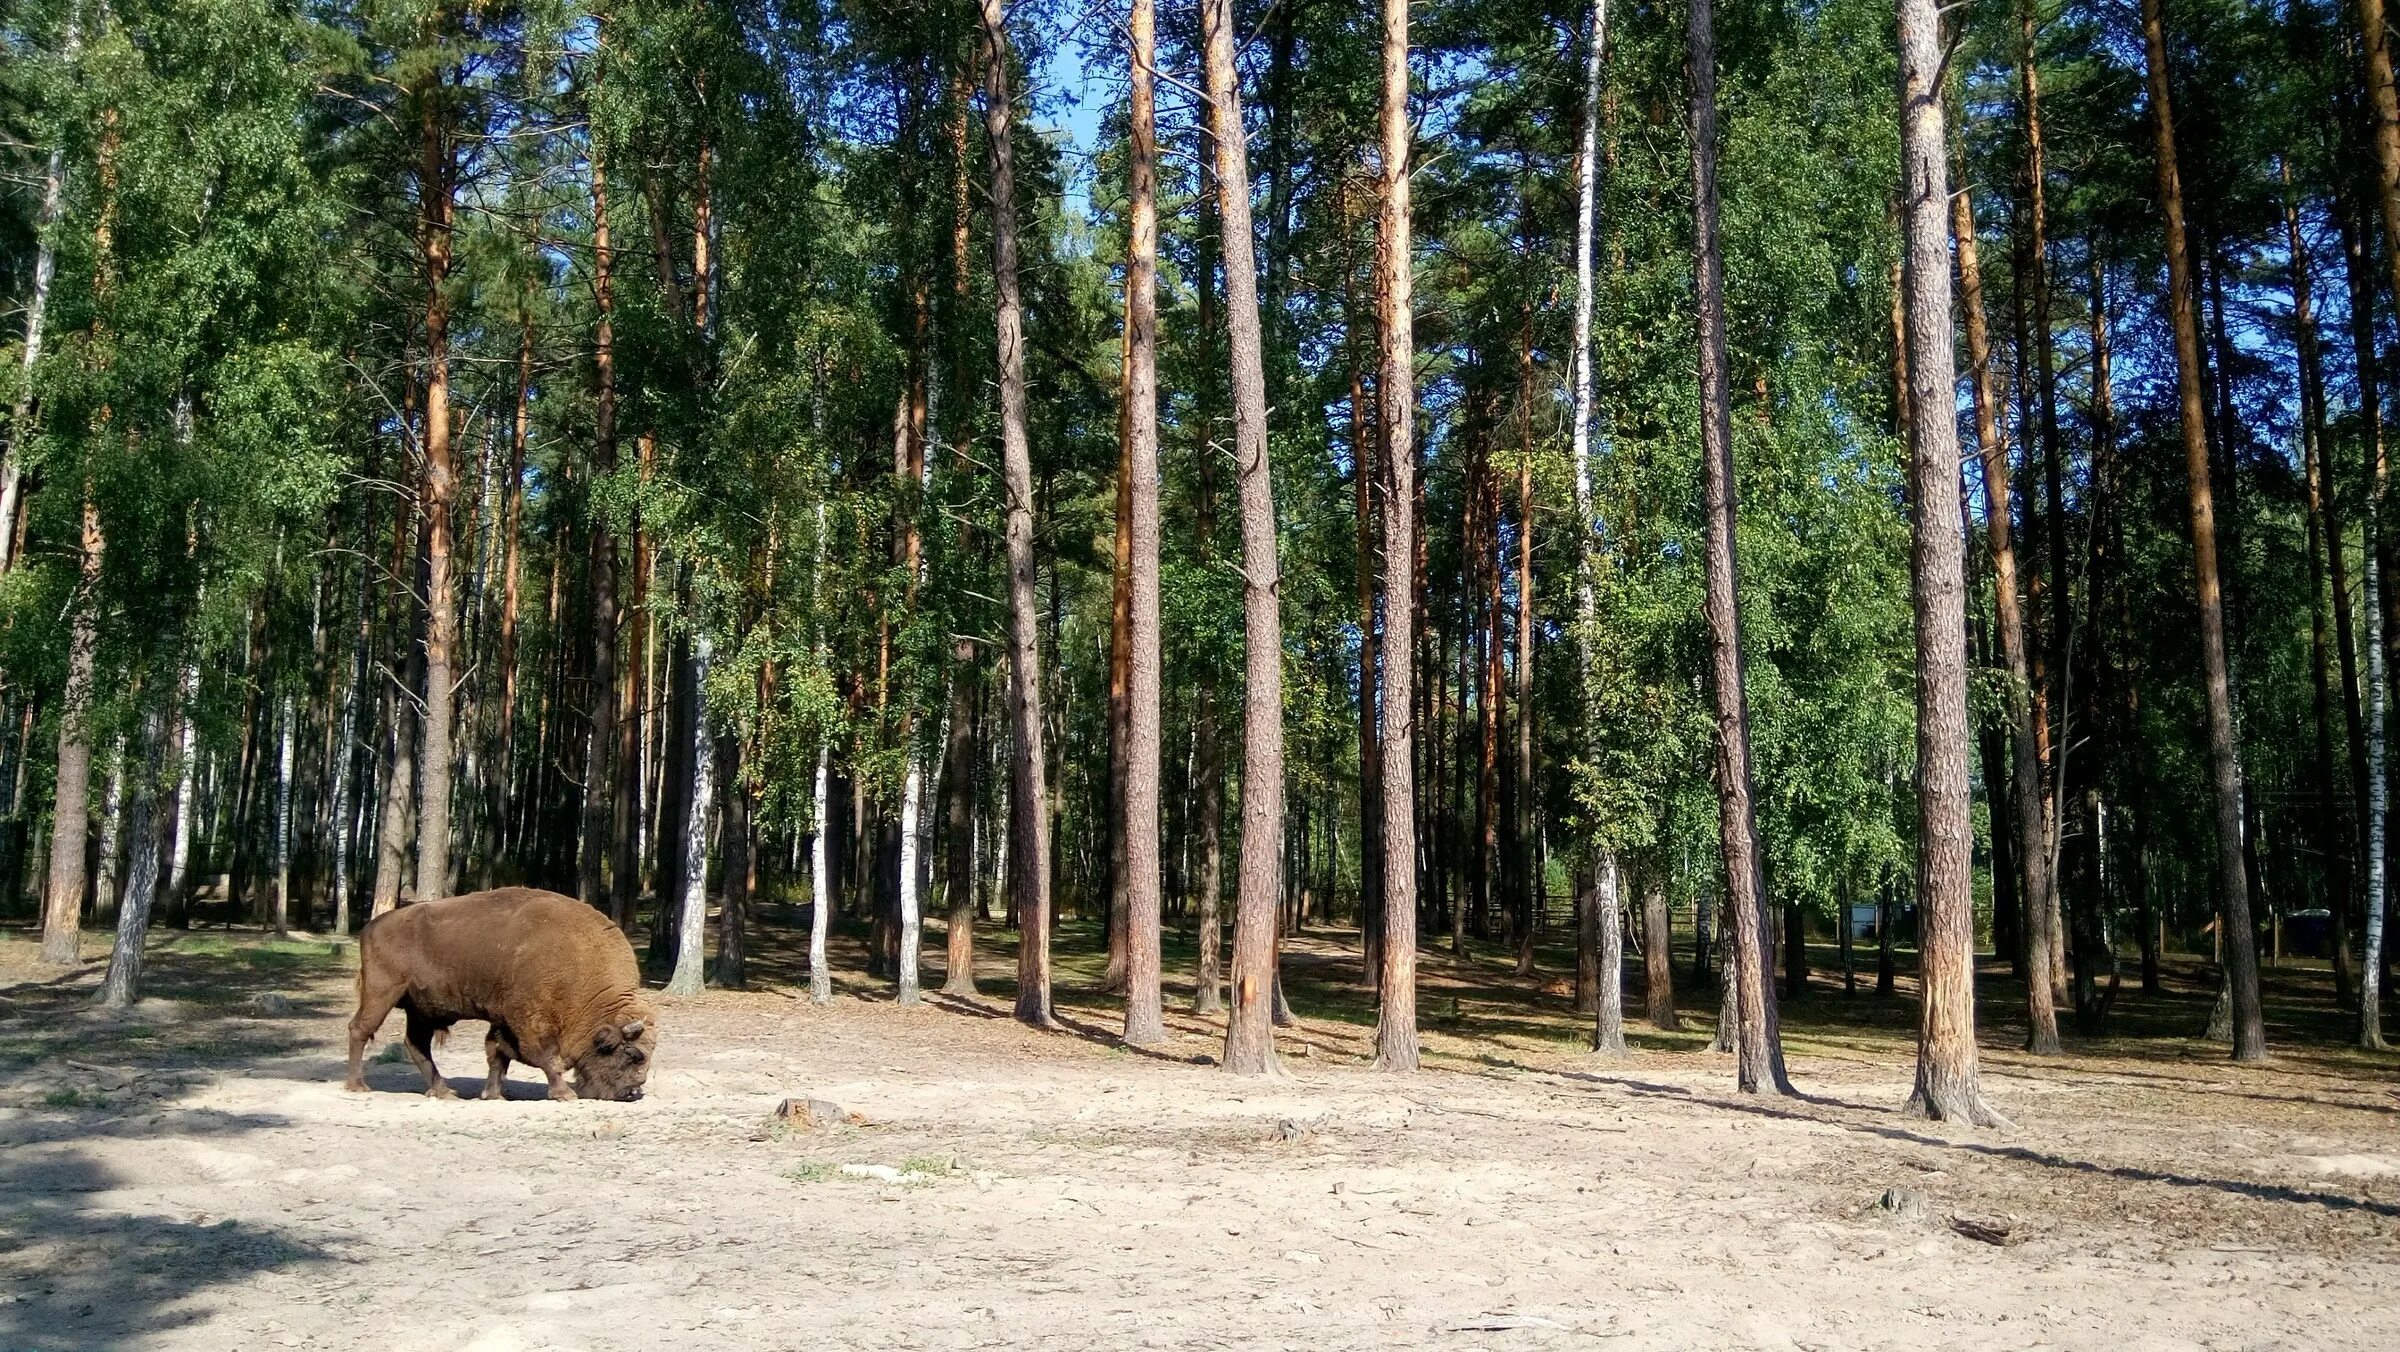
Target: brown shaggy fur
pixel 554 978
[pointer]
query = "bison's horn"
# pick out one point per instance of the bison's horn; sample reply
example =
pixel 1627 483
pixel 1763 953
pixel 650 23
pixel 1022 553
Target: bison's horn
pixel 633 1030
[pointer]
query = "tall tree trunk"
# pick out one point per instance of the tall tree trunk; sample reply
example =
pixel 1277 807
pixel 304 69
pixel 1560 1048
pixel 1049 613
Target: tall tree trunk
pixel 1209 755
pixel 37 307
pixel 283 818
pixel 122 985
pixel 1759 1060
pixel 739 854
pixel 504 728
pixel 62 912
pixel 1029 822
pixel 1591 963
pixel 691 914
pixel 2030 851
pixel 1528 908
pixel 2224 754
pixel 2358 271
pixel 1249 1031
pixel 1948 1087
pixel 435 189
pixel 912 915
pixel 598 804
pixel 2335 837
pixel 820 977
pixel 1139 899
pixel 1396 1046
pixel 1658 951
pixel 1608 1026
pixel 959 759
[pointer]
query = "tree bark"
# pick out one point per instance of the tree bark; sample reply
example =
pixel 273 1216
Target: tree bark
pixel 1249 1031
pixel 1948 1087
pixel 122 985
pixel 2030 851
pixel 1029 822
pixel 1590 973
pixel 1209 756
pixel 1658 956
pixel 1759 1060
pixel 435 188
pixel 912 797
pixel 1396 1046
pixel 598 804
pixel 1608 1027
pixel 62 912
pixel 1145 1022
pixel 2224 753
pixel 691 936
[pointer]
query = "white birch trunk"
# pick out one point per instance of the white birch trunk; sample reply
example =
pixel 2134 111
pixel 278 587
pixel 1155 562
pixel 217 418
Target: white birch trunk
pixel 1608 1032
pixel 37 307
pixel 186 762
pixel 692 921
pixel 911 909
pixel 283 822
pixel 112 813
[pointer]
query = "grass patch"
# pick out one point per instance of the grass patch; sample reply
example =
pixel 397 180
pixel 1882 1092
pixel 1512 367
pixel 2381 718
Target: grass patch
pixel 69 1098
pixel 812 1171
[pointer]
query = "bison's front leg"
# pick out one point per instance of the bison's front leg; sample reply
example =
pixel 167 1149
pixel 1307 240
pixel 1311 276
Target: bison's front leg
pixel 420 1050
pixel 556 1071
pixel 375 1001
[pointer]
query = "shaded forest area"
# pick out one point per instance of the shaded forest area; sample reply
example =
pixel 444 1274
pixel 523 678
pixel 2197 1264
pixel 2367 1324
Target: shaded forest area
pixel 1653 488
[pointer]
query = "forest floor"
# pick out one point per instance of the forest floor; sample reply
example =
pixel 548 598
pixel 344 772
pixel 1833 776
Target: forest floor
pixel 192 1177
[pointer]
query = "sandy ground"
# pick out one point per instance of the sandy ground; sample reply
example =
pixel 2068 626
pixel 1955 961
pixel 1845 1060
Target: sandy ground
pixel 193 1177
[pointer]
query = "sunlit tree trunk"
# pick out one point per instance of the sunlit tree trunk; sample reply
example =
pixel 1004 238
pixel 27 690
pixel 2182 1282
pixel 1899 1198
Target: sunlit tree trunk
pixel 1396 403
pixel 1249 1032
pixel 2224 753
pixel 1759 1047
pixel 692 892
pixel 37 308
pixel 436 186
pixel 912 796
pixel 2030 851
pixel 1029 794
pixel 1658 957
pixel 1948 1087
pixel 1594 977
pixel 1144 1017
pixel 283 818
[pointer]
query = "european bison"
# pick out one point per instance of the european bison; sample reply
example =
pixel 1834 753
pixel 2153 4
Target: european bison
pixel 552 976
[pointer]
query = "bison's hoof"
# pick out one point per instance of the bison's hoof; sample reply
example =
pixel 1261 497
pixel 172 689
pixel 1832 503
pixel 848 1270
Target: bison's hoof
pixel 440 1089
pixel 562 1094
pixel 355 1085
pixel 493 1090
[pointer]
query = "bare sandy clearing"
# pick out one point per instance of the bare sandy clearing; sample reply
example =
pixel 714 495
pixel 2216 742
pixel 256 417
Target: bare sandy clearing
pixel 195 1178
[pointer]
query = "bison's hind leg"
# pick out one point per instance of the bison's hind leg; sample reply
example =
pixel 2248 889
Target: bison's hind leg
pixel 421 1031
pixel 499 1048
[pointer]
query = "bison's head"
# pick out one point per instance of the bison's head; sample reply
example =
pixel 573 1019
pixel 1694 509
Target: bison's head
pixel 619 1061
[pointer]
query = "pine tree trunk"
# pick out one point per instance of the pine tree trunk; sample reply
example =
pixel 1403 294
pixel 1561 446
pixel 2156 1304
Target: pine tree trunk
pixel 1249 1031
pixel 1759 1063
pixel 738 853
pixel 2029 850
pixel 1528 884
pixel 598 813
pixel 1139 890
pixel 2233 896
pixel 1948 1087
pixel 62 912
pixel 1029 822
pixel 504 728
pixel 1396 1045
pixel 439 492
